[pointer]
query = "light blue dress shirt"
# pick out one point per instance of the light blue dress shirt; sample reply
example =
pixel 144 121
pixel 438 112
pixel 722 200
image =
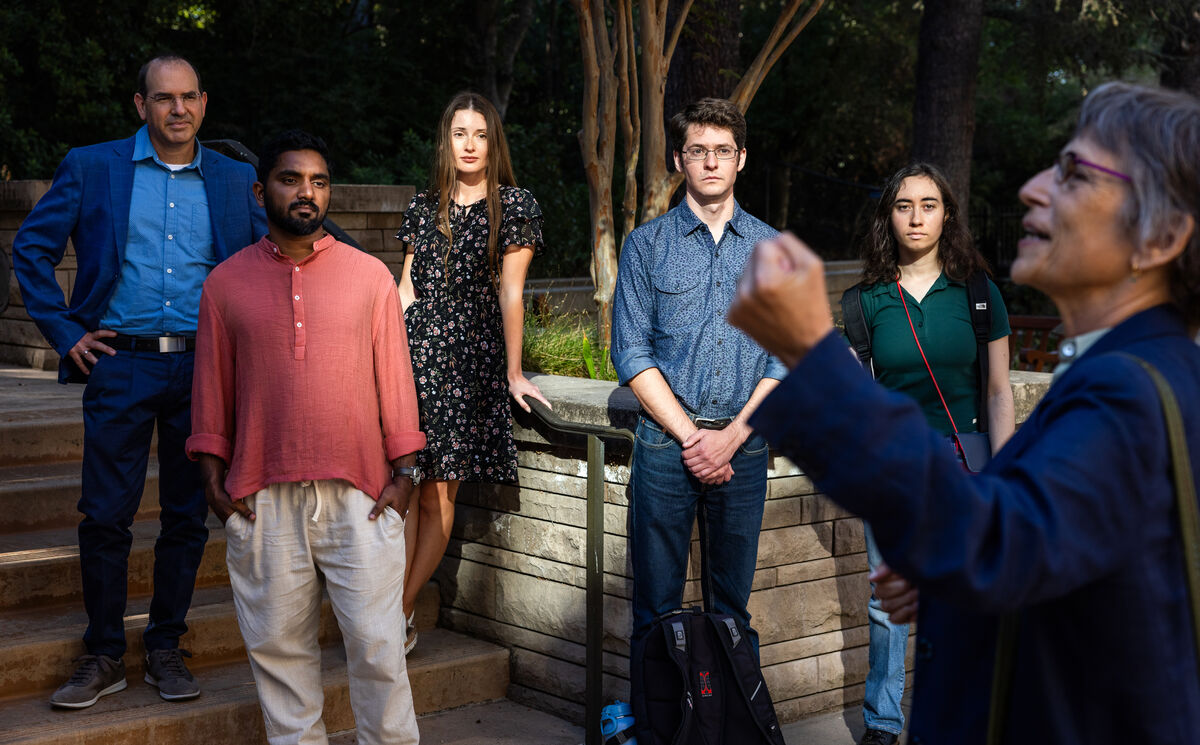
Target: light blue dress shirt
pixel 674 287
pixel 168 251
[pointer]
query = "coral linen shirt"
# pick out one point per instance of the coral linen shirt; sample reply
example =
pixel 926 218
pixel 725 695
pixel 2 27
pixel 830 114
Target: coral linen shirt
pixel 302 370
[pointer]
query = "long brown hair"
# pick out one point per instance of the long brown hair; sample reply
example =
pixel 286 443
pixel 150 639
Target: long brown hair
pixel 443 175
pixel 956 249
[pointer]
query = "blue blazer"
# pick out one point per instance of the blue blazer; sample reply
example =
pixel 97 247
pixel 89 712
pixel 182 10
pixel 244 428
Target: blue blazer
pixel 88 202
pixel 1073 526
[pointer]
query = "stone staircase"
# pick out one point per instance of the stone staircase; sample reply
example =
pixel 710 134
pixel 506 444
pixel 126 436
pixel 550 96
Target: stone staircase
pixel 42 619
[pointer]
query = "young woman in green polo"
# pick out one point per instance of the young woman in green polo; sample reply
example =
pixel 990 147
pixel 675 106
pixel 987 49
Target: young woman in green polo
pixel 919 246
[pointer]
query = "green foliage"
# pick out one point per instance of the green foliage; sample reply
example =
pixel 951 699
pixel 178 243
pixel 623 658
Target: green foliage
pixel 560 344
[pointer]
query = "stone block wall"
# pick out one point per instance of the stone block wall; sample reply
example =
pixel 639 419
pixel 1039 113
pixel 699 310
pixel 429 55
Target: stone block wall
pixel 515 568
pixel 369 214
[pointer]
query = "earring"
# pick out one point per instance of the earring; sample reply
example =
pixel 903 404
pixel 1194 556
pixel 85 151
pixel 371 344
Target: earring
pixel 1137 272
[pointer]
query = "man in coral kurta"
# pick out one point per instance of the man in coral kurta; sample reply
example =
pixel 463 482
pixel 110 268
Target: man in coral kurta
pixel 304 420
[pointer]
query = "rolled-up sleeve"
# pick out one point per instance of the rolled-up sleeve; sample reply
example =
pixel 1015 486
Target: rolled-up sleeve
pixel 213 386
pixel 398 411
pixel 632 308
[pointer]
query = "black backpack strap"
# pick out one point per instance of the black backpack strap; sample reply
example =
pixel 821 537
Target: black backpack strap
pixel 979 302
pixel 856 325
pixel 748 676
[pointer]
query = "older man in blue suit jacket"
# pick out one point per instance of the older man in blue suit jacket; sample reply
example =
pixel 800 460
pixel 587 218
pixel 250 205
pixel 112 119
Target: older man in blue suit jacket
pixel 148 217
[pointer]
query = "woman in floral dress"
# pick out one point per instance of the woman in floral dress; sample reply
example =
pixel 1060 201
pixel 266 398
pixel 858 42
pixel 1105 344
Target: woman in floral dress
pixel 468 240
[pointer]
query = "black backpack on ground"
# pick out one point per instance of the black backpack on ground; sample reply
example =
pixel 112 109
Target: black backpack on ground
pixel 695 680
pixel 980 306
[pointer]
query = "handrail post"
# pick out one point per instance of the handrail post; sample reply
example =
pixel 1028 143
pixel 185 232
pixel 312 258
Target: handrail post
pixel 594 561
pixel 594 660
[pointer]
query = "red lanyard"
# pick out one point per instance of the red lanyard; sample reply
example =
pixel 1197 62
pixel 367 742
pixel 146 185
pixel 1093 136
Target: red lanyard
pixel 922 351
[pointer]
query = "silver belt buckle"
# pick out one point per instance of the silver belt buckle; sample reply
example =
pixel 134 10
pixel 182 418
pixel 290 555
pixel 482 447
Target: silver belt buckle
pixel 168 344
pixel 704 423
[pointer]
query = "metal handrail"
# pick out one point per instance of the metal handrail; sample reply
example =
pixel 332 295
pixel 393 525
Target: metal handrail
pixel 594 620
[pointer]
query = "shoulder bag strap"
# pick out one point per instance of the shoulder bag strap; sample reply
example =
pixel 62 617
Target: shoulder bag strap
pixel 979 302
pixel 1189 526
pixel 1185 490
pixel 856 325
pixel 920 349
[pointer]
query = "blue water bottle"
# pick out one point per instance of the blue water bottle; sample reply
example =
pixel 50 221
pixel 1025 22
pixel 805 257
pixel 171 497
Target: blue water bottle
pixel 616 724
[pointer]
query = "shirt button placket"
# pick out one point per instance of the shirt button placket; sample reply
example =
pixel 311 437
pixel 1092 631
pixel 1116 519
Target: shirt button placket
pixel 298 309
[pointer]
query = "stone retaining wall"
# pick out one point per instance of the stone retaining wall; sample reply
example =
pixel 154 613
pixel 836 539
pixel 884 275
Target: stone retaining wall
pixel 514 571
pixel 370 214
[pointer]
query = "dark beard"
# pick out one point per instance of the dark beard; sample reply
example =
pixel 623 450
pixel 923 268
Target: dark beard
pixel 296 226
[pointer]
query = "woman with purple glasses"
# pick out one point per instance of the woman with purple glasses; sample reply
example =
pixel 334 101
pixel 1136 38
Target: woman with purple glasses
pixel 1065 564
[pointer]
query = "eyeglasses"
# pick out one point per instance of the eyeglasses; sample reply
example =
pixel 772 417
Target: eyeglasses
pixel 1068 163
pixel 166 99
pixel 695 152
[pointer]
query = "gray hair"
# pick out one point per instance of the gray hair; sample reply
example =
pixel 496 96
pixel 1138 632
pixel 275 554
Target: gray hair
pixel 1156 134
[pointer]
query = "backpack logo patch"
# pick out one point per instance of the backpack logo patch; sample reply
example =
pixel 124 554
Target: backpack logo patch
pixel 705 686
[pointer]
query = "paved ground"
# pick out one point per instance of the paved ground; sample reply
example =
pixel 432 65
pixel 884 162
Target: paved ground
pixel 835 728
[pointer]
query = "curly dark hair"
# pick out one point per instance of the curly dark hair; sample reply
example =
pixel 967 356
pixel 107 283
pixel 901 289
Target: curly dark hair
pixel 956 249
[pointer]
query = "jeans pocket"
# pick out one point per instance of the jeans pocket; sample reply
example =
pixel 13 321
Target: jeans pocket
pixel 651 435
pixel 755 444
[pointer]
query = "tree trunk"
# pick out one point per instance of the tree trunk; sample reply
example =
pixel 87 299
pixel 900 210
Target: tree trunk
pixel 707 59
pixel 1181 51
pixel 500 27
pixel 944 110
pixel 597 144
pixel 657 185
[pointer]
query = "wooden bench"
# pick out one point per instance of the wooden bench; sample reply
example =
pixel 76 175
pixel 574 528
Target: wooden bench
pixel 1033 344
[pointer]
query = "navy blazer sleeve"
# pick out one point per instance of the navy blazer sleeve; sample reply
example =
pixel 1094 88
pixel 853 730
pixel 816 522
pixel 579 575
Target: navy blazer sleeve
pixel 38 249
pixel 1058 507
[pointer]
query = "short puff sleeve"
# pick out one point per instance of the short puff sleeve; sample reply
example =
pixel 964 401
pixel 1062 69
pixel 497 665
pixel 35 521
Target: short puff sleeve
pixel 419 220
pixel 522 224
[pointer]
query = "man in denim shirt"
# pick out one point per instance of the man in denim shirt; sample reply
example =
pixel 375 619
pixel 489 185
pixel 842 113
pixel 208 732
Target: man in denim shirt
pixel 697 378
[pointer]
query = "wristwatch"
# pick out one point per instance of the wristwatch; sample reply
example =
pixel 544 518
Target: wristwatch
pixel 412 472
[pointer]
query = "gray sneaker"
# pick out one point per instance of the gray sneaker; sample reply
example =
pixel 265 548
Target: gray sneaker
pixel 165 669
pixel 95 675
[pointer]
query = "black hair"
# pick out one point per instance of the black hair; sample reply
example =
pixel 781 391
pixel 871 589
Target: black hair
pixel 286 142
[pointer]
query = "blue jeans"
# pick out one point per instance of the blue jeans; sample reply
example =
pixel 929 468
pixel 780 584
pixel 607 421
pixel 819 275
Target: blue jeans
pixel 665 500
pixel 125 397
pixel 885 679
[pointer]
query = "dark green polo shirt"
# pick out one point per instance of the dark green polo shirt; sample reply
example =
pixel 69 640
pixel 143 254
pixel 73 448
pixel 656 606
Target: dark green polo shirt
pixel 943 323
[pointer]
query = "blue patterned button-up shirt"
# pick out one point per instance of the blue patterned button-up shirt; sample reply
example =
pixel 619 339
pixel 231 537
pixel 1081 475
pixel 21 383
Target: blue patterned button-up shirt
pixel 674 287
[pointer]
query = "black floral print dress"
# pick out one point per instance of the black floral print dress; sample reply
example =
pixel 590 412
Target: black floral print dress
pixel 456 336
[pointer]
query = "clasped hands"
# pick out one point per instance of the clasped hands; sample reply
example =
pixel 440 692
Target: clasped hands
pixel 707 452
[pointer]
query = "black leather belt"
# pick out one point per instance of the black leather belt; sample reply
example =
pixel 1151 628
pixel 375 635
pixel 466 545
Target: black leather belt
pixel 161 344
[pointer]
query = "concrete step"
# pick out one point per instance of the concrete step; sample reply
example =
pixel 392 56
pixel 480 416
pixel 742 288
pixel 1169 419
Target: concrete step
pixel 42 567
pixel 38 646
pixel 40 436
pixel 495 723
pixel 44 495
pixel 447 670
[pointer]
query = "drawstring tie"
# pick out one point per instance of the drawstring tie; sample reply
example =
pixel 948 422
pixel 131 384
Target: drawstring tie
pixel 317 511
